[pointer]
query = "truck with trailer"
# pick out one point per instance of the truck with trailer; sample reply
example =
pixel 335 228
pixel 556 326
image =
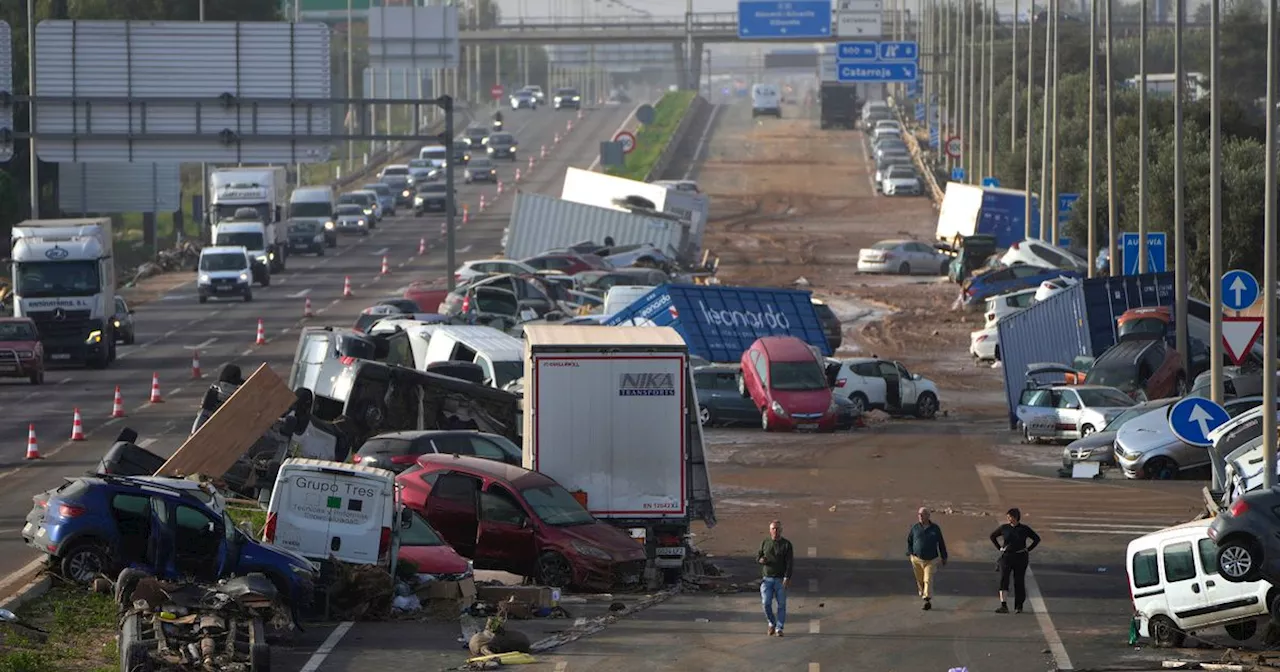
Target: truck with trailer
pixel 969 209
pixel 263 188
pixel 64 278
pixel 611 414
pixel 620 193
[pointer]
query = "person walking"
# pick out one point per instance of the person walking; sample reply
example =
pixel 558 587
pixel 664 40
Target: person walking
pixel 1011 539
pixel 927 549
pixel 776 558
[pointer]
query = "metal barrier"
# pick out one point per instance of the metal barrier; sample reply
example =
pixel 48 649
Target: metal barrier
pixel 936 193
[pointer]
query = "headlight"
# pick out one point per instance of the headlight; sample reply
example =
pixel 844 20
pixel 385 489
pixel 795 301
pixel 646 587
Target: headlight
pixel 778 409
pixel 203 279
pixel 591 551
pixel 417 200
pixel 262 258
pixel 328 225
pixel 26 355
pixel 577 98
pixel 95 336
pixel 368 211
pixel 405 192
pixel 244 277
pixel 490 150
pixel 361 222
pixel 115 323
pixel 557 99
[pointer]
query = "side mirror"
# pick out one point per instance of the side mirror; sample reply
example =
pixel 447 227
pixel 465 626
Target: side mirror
pixel 524 523
pixel 130 311
pixel 915 376
pixel 1073 407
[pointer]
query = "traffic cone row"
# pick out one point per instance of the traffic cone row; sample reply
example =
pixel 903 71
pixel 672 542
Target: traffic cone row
pixel 386 270
pixel 346 287
pixel 155 389
pixel 466 216
pixel 530 169
pixel 195 365
pixel 262 335
pixel 542 154
pixel 33 449
pixel 117 405
pixel 422 246
pixel 306 309
pixel 77 426
pixel 517 174
pixel 557 139
pixel 568 126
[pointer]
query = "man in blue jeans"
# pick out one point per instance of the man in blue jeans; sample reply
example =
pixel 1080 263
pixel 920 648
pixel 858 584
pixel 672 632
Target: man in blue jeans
pixel 776 558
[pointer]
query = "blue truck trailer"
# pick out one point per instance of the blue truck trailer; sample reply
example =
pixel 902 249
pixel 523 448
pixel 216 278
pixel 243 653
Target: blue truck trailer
pixel 720 323
pixel 969 210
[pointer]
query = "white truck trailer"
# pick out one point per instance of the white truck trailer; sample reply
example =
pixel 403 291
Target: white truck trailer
pixel 612 415
pixel 263 188
pixel 64 278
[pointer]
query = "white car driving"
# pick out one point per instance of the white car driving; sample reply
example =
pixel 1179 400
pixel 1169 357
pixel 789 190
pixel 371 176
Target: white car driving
pixel 901 181
pixel 873 383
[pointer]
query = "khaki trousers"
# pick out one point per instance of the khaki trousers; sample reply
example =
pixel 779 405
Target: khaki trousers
pixel 924 570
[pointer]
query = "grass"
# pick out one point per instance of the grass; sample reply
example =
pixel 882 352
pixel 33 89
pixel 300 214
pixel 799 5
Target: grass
pixel 253 518
pixel 82 634
pixel 653 138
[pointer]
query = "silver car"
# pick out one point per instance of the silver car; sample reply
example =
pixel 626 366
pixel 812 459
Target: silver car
pixel 901 180
pixel 352 219
pixel 1100 445
pixel 904 257
pixel 1147 448
pixel 1056 412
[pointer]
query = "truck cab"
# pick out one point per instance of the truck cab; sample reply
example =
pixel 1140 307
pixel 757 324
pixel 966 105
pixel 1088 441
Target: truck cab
pixel 247 230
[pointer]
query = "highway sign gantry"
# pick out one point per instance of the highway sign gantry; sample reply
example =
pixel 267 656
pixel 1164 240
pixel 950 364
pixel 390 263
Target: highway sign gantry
pixel 1194 417
pixel 1239 335
pixel 1239 289
pixel 876 72
pixel 771 20
pixel 627 140
pixel 1156 259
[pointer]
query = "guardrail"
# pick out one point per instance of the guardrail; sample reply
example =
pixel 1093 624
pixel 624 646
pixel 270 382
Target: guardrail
pixel 921 159
pixel 674 142
pixel 700 18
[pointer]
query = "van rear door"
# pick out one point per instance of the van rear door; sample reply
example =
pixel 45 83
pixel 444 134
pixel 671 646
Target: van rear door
pixel 358 511
pixel 300 503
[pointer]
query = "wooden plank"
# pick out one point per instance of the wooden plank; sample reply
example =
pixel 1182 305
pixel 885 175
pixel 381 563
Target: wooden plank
pixel 234 427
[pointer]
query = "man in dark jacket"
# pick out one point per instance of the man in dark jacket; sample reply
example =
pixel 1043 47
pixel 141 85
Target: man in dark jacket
pixel 776 558
pixel 927 550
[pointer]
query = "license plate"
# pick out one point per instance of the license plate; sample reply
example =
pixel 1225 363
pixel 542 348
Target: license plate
pixel 807 425
pixel 61 355
pixel 26 529
pixel 8 367
pixel 672 551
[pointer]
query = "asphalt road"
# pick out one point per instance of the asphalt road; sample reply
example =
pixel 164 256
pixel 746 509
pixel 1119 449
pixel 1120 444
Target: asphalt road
pixel 170 329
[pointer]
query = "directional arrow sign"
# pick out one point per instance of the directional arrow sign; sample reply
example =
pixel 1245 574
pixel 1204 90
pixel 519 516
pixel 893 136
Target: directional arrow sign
pixel 1194 417
pixel 1239 334
pixel 1239 289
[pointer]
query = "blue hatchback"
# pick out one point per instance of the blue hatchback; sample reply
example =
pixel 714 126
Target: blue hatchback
pixel 979 288
pixel 175 528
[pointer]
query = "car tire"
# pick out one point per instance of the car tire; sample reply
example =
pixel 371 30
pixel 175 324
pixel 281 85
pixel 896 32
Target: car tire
pixel 705 418
pixel 1086 431
pixel 860 402
pixel 248 295
pixel 554 570
pixel 130 337
pixel 1243 631
pixel 204 299
pixel 1160 469
pixel 904 268
pixel 1239 560
pixel 1026 435
pixel 1164 633
pixel 946 268
pixel 320 252
pixel 927 406
pixel 266 280
pixel 37 378
pixel 259 650
pixel 84 562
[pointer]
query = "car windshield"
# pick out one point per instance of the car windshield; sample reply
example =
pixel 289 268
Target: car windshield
pixel 901 172
pixel 438 154
pixel 1115 374
pixel 358 199
pixel 304 227
pixel 1095 398
pixel 505 372
pixel 395 171
pixel 380 189
pixel 567 92
pixel 350 210
pixel 500 302
pixel 249 240
pixel 886 245
pixel 310 209
pixel 419 532
pixel 431 187
pixel 501 139
pixel 420 163
pixel 477 132
pixel 225 261
pixel 555 506
pixel 57 278
pixel 480 163
pixel 796 376
pixel 17 331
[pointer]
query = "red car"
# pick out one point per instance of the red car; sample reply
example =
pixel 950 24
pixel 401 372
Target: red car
pixel 784 377
pixel 568 264
pixel 21 354
pixel 427 297
pixel 423 546
pixel 515 520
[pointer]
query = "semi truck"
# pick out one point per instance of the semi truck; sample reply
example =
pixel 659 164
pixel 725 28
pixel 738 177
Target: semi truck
pixel 611 414
pixel 64 278
pixel 263 188
pixel 838 105
pixel 969 209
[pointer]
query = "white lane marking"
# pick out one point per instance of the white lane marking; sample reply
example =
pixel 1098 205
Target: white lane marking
pixel 202 345
pixel 813 523
pixel 330 643
pixel 299 295
pixel 282 281
pixel 814 667
pixel 562 666
pixel 815 626
pixel 246 353
pixel 579 622
pixel 813 585
pixel 464 249
pixel 813 552
pixel 381 252
pixel 146 442
pixel 64 381
pixel 175 391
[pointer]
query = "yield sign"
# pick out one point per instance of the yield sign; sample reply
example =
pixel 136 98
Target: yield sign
pixel 1239 334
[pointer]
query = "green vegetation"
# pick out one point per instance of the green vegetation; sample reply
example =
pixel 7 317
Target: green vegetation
pixel 82 630
pixel 653 138
pixel 251 519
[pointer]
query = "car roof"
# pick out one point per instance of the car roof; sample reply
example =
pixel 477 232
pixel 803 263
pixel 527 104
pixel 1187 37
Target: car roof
pixel 1124 350
pixel 717 368
pixel 225 249
pixel 516 476
pixel 396 165
pixel 785 347
pixel 412 434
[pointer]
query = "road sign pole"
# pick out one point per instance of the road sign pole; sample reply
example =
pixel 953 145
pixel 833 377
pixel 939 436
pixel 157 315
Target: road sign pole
pixel 1215 229
pixel 1269 258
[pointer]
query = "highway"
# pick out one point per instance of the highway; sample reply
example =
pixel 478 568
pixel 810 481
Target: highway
pixel 170 329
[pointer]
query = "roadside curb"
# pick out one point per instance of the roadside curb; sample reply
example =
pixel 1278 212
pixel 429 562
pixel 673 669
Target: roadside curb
pixel 34 590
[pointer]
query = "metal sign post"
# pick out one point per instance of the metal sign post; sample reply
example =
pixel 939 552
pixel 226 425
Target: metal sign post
pixel 1269 253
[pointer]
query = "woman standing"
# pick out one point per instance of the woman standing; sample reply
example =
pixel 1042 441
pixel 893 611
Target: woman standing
pixel 1015 554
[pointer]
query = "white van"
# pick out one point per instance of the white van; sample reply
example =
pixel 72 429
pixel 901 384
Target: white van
pixel 499 355
pixel 765 99
pixel 1174 583
pixel 313 204
pixel 436 154
pixel 321 510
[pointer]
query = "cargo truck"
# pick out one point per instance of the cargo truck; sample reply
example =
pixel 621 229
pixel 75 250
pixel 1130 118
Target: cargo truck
pixel 263 188
pixel 611 414
pixel 64 278
pixel 838 105
pixel 968 210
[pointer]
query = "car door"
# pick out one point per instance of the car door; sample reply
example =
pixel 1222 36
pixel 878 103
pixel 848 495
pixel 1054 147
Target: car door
pixel 134 525
pixel 197 540
pixel 1037 412
pixel 892 385
pixel 452 510
pixel 731 406
pixel 909 390
pixel 505 539
pixel 923 260
pixel 1067 409
pixel 1163 371
pixel 1183 587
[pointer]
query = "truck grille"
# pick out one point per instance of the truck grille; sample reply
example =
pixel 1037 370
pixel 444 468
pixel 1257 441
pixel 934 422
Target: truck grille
pixel 71 325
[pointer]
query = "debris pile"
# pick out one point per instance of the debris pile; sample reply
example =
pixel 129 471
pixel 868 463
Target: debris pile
pixel 358 592
pixel 180 257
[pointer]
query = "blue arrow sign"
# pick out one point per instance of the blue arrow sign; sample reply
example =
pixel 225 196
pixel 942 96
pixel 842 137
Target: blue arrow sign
pixel 899 51
pixel 759 20
pixel 876 72
pixel 957 174
pixel 1065 201
pixel 1156 259
pixel 1194 417
pixel 990 182
pixel 857 52
pixel 1239 289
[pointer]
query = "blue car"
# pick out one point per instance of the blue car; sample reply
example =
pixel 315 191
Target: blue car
pixel 979 288
pixel 174 528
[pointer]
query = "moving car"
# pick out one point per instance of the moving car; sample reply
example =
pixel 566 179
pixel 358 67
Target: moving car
pixel 307 236
pixel 126 330
pixel 538 95
pixel 904 257
pixel 783 377
pixel 21 354
pixel 430 197
pixel 873 383
pixel 766 100
pixel 475 137
pixel 510 519
pixel 523 100
pixel 480 170
pixel 396 176
pixel 435 155
pixel 224 271
pixel 501 146
pixel 567 99
pixel 903 180
pixel 353 218
pixel 368 202
pixel 1056 412
pixel 386 198
pixel 397 451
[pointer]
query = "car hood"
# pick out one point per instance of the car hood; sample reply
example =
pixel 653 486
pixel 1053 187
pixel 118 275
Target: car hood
pixel 607 538
pixel 351 218
pixel 430 195
pixel 1147 432
pixel 433 559
pixel 901 180
pixel 225 274
pixel 803 401
pixel 1094 440
pixel 20 346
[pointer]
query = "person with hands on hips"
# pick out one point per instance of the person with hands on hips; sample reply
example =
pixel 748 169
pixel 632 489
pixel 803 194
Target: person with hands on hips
pixel 927 549
pixel 1011 539
pixel 776 558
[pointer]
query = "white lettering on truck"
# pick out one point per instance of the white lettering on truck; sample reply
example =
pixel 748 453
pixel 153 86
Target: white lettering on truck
pixel 770 318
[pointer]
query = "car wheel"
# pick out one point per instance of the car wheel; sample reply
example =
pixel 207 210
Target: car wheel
pixel 555 570
pixel 927 406
pixel 266 280
pixel 1165 633
pixel 1238 560
pixel 320 252
pixel 130 337
pixel 704 416
pixel 1160 469
pixel 248 295
pixel 37 378
pixel 204 299
pixel 1086 431
pixel 84 562
pixel 1243 631
pixel 1026 435
pixel 904 268
pixel 764 420
pixel 859 401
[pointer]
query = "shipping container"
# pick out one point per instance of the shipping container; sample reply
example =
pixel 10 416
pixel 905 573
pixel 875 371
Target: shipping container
pixel 609 191
pixel 1079 321
pixel 968 209
pixel 720 323
pixel 540 223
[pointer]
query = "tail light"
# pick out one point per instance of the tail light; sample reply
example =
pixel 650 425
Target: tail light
pixel 39 501
pixel 1239 507
pixel 980 338
pixel 1015 246
pixel 457 277
pixel 841 381
pixel 70 510
pixel 670 540
pixel 404 459
pixel 466 303
pixel 269 530
pixel 384 542
pixel 969 291
pixel 356 459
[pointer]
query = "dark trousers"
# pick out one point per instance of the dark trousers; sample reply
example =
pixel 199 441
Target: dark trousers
pixel 1015 565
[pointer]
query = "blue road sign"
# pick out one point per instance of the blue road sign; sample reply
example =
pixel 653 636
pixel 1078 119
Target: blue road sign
pixel 865 52
pixel 1156 260
pixel 876 72
pixel 920 112
pixel 1239 289
pixel 957 174
pixel 1194 417
pixel 913 91
pixel 934 137
pixel 1065 201
pixel 990 182
pixel 899 51
pixel 759 20
pixel 1064 242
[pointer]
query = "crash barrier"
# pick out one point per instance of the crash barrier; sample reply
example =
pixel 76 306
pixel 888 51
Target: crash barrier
pixel 921 159
pixel 676 141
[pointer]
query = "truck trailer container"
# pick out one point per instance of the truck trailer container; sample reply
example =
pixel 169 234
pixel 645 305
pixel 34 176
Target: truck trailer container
pixel 540 223
pixel 838 106
pixel 720 323
pixel 611 414
pixel 968 210
pixel 263 188
pixel 609 191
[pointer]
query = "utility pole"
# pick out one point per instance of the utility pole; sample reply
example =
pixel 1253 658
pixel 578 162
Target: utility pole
pixel 1052 205
pixel 1013 80
pixel 1113 222
pixel 351 88
pixel 1142 138
pixel 1093 132
pixel 970 48
pixel 33 162
pixel 978 39
pixel 1031 130
pixel 1215 223
pixel 991 89
pixel 1269 256
pixel 1180 282
pixel 1048 219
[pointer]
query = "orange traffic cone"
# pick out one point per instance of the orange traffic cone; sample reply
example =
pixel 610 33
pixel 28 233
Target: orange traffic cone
pixel 306 309
pixel 386 270
pixel 262 335
pixel 556 140
pixel 195 365
pixel 444 228
pixel 77 427
pixel 117 405
pixel 481 202
pixel 517 174
pixel 542 153
pixel 499 187
pixel 530 168
pixel 33 450
pixel 466 215
pixel 346 287
pixel 155 389
pixel 422 246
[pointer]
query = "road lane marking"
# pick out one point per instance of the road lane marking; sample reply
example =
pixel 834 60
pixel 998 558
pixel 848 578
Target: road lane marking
pixel 465 249
pixel 562 666
pixel 146 442
pixel 202 345
pixel 813 523
pixel 579 622
pixel 330 643
pixel 815 626
pixel 381 252
pixel 246 353
pixel 813 585
pixel 814 667
pixel 299 295
pixel 813 552
pixel 64 381
pixel 175 391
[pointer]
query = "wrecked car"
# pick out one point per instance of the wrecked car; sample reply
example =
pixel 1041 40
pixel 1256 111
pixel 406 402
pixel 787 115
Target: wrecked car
pixel 511 519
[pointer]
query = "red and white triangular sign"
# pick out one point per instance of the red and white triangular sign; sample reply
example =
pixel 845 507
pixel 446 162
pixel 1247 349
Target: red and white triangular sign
pixel 1239 334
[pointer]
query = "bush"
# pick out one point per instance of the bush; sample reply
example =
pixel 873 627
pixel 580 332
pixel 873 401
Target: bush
pixel 653 138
